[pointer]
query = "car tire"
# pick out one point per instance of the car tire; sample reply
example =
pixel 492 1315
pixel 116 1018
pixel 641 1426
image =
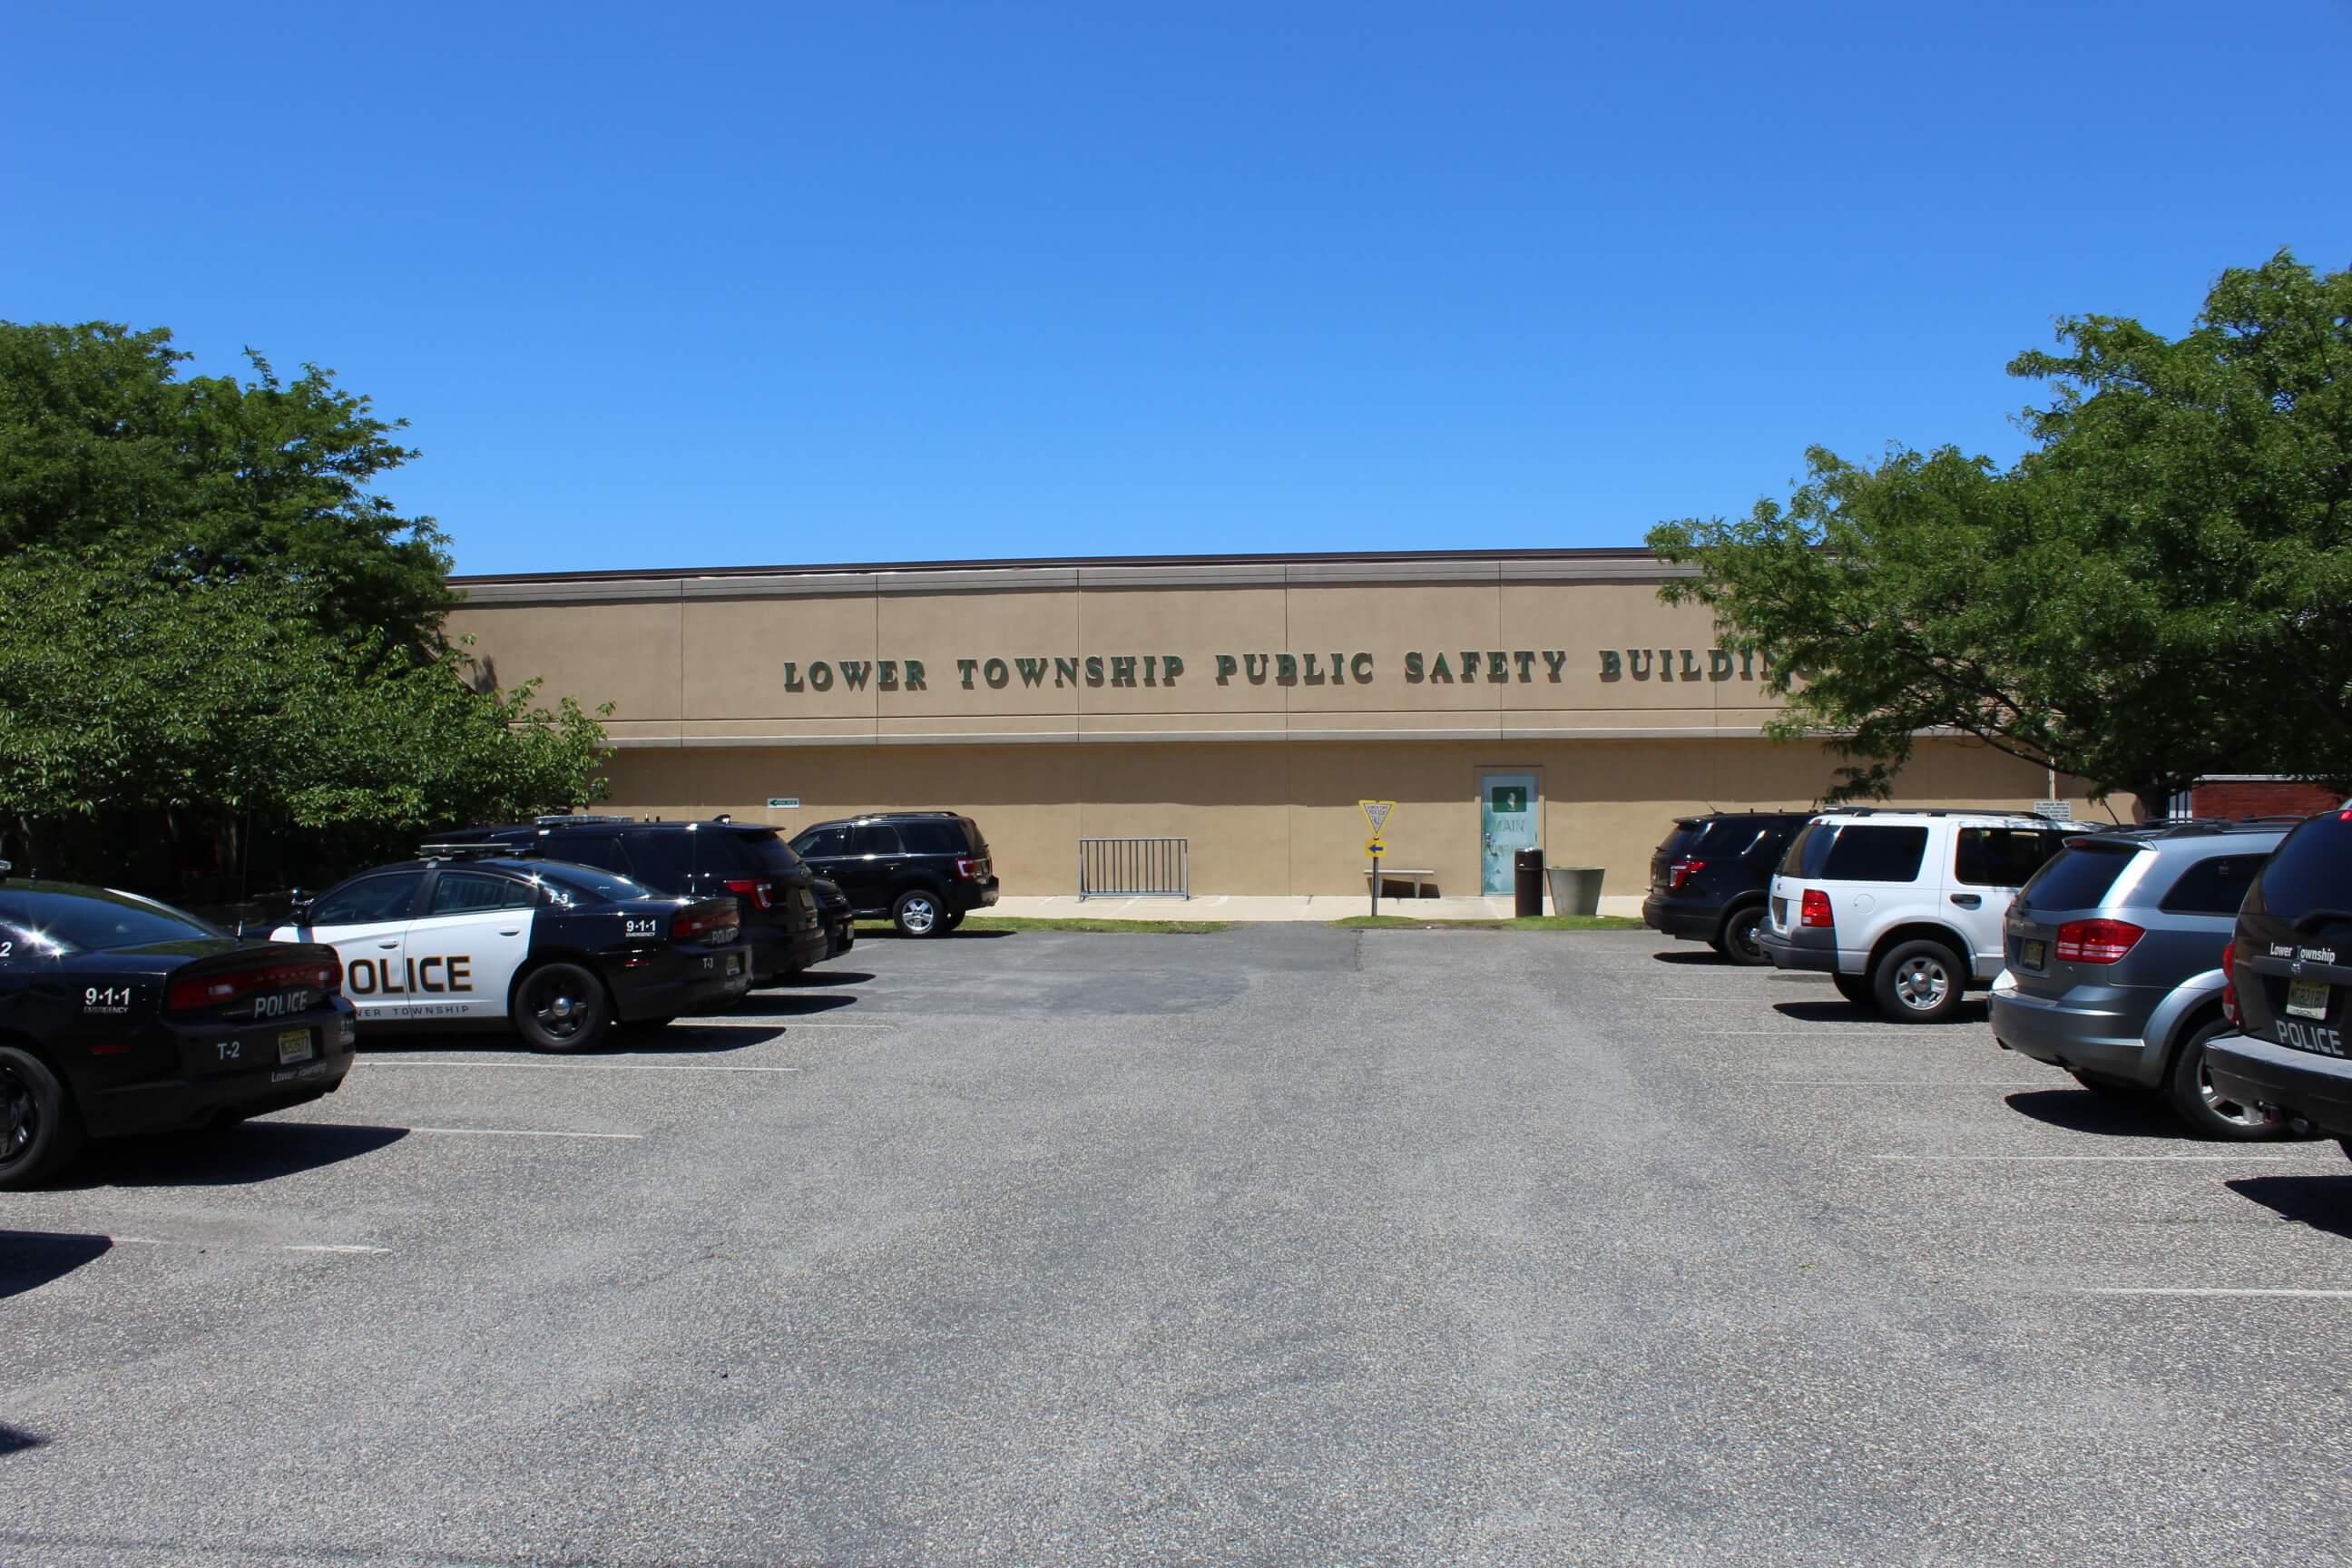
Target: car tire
pixel 2191 1091
pixel 917 912
pixel 1919 982
pixel 1856 989
pixel 40 1131
pixel 1736 938
pixel 562 1007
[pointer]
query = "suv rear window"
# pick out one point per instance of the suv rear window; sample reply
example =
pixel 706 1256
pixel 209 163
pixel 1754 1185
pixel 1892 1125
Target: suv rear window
pixel 2079 877
pixel 2312 870
pixel 767 851
pixel 1856 852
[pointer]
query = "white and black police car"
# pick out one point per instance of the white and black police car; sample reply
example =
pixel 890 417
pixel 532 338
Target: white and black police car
pixel 562 953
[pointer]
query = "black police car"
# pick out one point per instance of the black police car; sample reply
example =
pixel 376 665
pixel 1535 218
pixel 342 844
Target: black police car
pixel 562 953
pixel 2288 973
pixel 121 1015
pixel 924 869
pixel 1709 879
pixel 693 860
pixel 840 921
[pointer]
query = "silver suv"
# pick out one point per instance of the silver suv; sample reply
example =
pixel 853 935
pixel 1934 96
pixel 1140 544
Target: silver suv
pixel 2115 963
pixel 1902 908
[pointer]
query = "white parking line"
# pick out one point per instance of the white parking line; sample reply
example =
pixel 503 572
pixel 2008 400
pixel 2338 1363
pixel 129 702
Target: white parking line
pixel 2085 1159
pixel 573 1066
pixel 528 1132
pixel 2192 1290
pixel 775 1021
pixel 220 1246
pixel 1900 1083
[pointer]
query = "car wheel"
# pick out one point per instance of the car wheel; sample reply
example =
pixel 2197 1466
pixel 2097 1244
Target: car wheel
pixel 2209 1115
pixel 562 1007
pixel 1855 988
pixel 1737 939
pixel 918 913
pixel 39 1130
pixel 1919 982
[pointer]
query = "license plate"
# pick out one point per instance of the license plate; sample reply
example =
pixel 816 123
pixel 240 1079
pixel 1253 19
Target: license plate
pixel 294 1046
pixel 734 963
pixel 2306 998
pixel 2033 954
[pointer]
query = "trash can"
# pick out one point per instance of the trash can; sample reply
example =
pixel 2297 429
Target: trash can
pixel 1575 889
pixel 1527 882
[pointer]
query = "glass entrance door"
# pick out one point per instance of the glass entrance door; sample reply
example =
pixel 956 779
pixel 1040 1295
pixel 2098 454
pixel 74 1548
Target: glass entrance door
pixel 1507 824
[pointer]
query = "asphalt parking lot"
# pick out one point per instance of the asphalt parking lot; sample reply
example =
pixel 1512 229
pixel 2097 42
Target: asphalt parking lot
pixel 1285 1245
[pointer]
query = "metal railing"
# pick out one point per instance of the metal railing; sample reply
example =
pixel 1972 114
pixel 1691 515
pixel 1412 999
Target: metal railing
pixel 1135 869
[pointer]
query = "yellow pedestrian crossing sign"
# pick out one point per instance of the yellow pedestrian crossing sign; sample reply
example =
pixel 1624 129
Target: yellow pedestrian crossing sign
pixel 1376 812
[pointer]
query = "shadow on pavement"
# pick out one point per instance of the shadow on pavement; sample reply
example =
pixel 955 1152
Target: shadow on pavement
pixel 890 933
pixel 816 979
pixel 686 1038
pixel 1842 1011
pixel 230 1156
pixel 13 1440
pixel 2105 1115
pixel 2323 1203
pixel 785 1005
pixel 1705 957
pixel 31 1258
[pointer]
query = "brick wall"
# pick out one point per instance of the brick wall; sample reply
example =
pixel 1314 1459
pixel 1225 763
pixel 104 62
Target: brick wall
pixel 2262 797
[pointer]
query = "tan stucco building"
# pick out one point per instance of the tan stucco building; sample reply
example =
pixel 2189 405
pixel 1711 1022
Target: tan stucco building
pixel 1244 704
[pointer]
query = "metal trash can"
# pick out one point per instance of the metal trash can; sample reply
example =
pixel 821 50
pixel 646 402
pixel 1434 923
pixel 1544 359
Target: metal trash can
pixel 1575 889
pixel 1527 882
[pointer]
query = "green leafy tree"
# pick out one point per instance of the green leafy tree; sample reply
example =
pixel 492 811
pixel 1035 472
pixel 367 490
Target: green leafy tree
pixel 206 622
pixel 2157 591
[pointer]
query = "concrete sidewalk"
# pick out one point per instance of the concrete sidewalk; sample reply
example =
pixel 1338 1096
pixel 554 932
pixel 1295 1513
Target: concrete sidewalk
pixel 1242 908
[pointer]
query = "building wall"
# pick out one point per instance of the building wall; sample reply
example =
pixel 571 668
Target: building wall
pixel 1615 702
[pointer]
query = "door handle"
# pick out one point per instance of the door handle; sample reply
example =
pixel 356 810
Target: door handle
pixel 1967 900
pixel 515 931
pixel 387 945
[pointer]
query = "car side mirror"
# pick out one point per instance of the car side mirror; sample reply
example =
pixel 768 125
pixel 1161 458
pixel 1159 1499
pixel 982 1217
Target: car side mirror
pixel 298 906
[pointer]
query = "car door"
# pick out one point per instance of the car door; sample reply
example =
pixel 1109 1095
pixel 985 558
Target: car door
pixel 878 862
pixel 823 850
pixel 365 921
pixel 1988 865
pixel 463 951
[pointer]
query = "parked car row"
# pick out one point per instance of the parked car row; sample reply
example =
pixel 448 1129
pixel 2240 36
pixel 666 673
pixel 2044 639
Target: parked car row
pixel 2208 962
pixel 121 1016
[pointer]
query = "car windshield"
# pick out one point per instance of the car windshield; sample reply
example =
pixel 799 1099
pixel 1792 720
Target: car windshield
pixel 94 920
pixel 2312 872
pixel 577 884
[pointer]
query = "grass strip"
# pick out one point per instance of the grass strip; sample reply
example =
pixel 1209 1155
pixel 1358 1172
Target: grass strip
pixel 1072 923
pixel 1533 922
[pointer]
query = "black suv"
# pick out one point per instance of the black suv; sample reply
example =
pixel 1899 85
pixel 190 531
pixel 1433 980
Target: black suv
pixel 1708 880
pixel 2288 971
pixel 695 859
pixel 925 869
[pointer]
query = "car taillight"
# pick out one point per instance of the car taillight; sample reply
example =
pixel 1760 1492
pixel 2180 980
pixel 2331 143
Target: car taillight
pixel 2096 941
pixel 762 894
pixel 968 869
pixel 1682 871
pixel 687 924
pixel 2229 983
pixel 1814 909
pixel 199 992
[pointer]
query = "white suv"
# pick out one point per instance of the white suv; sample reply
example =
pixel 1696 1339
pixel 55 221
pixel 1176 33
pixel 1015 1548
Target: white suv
pixel 1903 909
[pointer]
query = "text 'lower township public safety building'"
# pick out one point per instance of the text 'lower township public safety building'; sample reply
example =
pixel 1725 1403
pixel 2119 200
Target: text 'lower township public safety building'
pixel 1244 704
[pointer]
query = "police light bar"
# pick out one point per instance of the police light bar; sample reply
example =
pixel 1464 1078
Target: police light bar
pixel 476 849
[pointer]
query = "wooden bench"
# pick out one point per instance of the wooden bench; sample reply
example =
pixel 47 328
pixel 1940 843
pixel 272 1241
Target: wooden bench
pixel 1413 874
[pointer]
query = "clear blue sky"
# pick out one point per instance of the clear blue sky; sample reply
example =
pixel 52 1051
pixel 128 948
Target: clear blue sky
pixel 714 285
